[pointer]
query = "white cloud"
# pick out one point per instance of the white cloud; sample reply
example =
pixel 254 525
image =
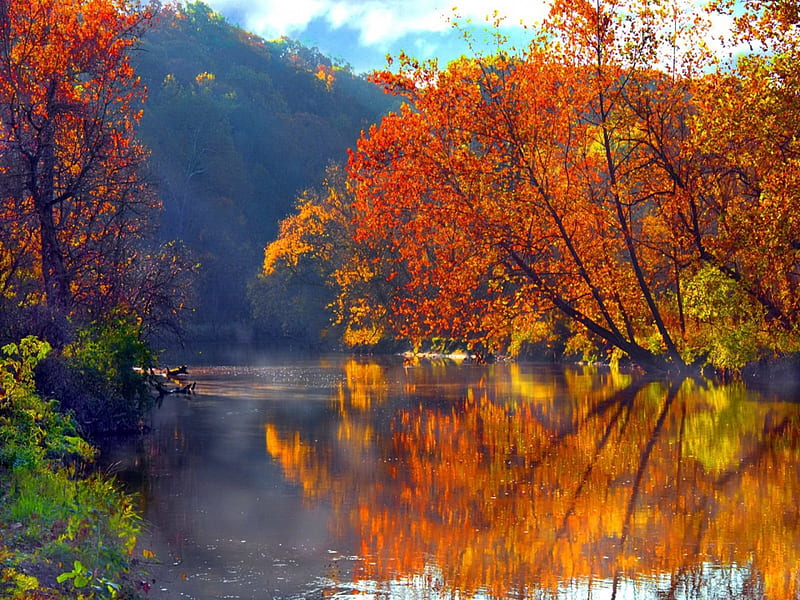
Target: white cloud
pixel 514 12
pixel 272 18
pixel 378 22
pixel 381 22
pixel 340 14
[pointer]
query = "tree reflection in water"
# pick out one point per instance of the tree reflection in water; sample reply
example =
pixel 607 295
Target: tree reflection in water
pixel 561 484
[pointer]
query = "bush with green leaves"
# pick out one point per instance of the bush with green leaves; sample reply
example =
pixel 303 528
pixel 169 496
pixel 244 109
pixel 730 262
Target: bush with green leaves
pixel 49 513
pixel 32 430
pixel 101 377
pixel 113 348
pixel 726 329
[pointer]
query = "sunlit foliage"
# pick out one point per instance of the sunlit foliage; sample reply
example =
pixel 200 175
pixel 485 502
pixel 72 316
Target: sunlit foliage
pixel 602 173
pixel 317 258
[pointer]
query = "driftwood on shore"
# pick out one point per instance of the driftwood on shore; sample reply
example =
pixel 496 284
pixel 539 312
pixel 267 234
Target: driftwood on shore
pixel 176 372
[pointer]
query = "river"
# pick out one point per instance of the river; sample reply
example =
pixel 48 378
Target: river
pixel 370 478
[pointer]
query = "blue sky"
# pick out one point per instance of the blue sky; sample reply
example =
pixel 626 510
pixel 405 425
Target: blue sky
pixel 362 32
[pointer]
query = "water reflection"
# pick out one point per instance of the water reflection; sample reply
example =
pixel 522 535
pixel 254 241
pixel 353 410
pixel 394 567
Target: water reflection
pixel 358 478
pixel 561 484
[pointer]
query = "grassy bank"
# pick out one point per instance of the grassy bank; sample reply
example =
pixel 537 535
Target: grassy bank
pixel 64 532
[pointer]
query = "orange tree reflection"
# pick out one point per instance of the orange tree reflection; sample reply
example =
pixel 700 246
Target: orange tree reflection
pixel 525 484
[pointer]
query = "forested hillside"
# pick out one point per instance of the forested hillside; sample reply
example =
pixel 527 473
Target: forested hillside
pixel 237 127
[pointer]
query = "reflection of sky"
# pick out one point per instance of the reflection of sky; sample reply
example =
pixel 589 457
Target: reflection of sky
pixel 711 582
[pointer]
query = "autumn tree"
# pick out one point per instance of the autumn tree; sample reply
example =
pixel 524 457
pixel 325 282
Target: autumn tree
pixel 74 206
pixel 745 125
pixel 328 275
pixel 572 177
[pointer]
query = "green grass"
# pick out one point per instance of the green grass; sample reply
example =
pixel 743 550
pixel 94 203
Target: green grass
pixel 52 518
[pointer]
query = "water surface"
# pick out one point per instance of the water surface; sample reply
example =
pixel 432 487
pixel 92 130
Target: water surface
pixel 363 478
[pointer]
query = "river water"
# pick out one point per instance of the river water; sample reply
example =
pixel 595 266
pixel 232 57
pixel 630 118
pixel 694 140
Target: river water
pixel 360 478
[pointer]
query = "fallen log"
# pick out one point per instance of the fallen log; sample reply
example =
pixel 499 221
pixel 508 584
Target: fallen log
pixel 171 373
pixel 183 389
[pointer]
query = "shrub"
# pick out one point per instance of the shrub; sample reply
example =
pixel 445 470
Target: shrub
pixel 51 515
pixel 113 349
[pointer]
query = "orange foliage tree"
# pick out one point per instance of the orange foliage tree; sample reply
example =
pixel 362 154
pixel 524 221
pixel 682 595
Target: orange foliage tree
pixel 316 248
pixel 745 126
pixel 592 175
pixel 73 203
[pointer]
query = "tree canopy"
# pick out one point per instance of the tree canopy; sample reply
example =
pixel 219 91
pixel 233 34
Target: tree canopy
pixel 614 173
pixel 74 206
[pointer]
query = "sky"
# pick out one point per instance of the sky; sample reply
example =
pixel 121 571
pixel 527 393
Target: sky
pixel 362 32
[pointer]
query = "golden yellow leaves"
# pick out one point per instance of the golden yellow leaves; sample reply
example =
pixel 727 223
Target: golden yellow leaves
pixel 204 79
pixel 300 234
pixel 326 75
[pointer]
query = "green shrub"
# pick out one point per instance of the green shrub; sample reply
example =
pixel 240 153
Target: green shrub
pixel 53 515
pixel 31 429
pixel 727 328
pixel 113 349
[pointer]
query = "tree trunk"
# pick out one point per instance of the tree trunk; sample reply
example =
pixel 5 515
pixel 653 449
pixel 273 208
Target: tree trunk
pixel 42 184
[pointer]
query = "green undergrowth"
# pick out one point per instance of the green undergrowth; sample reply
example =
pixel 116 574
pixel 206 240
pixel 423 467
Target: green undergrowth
pixel 65 532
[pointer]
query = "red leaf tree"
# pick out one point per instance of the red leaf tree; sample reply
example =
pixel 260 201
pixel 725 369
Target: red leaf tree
pixel 73 203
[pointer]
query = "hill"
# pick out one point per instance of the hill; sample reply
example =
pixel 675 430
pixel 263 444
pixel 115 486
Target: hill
pixel 237 127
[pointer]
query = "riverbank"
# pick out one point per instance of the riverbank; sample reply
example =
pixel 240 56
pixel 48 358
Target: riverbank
pixel 61 537
pixel 65 531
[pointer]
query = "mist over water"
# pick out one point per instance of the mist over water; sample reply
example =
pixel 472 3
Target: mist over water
pixel 346 478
